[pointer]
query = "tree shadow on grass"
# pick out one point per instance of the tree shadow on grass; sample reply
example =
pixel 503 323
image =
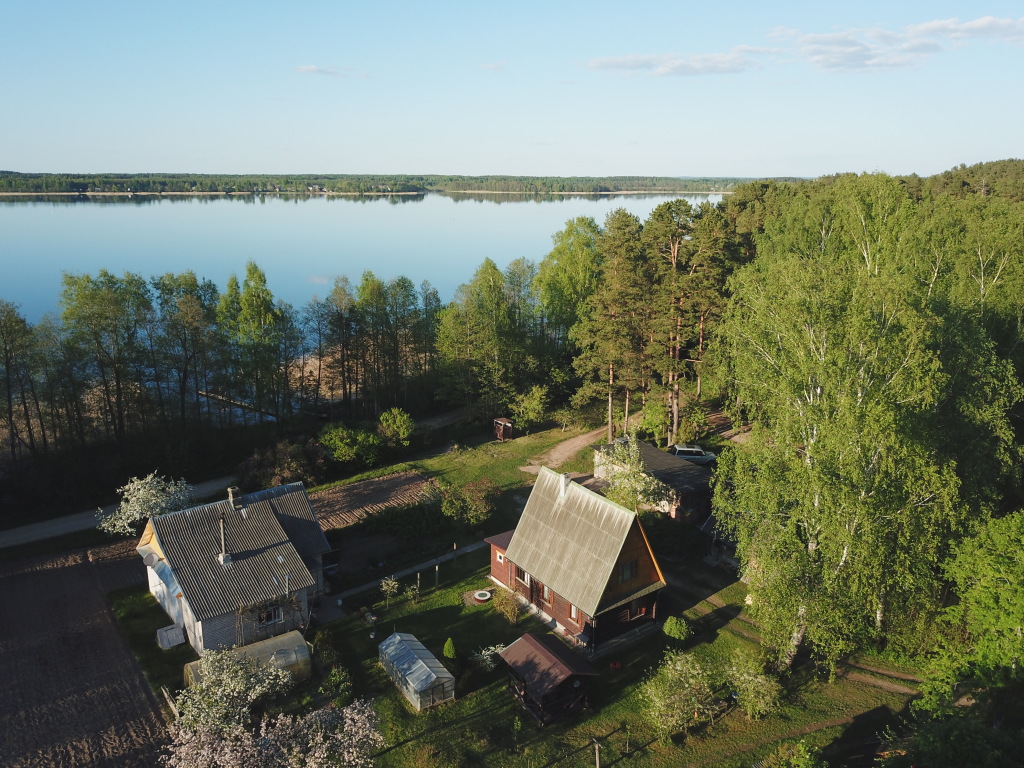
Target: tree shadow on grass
pixel 707 627
pixel 858 744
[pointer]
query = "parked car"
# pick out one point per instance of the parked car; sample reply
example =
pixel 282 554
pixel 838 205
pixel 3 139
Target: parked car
pixel 693 453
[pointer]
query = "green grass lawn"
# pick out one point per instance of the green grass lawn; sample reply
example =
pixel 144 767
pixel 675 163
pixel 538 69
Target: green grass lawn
pixel 140 616
pixel 479 728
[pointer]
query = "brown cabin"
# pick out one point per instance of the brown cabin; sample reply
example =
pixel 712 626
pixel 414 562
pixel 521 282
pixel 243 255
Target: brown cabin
pixel 582 560
pixel 548 679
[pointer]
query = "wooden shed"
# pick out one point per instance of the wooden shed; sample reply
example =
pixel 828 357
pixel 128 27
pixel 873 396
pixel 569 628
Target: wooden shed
pixel 502 429
pixel 417 673
pixel 547 678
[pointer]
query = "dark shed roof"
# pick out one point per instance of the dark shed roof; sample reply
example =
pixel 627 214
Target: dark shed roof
pixel 675 472
pixel 543 663
pixel 502 540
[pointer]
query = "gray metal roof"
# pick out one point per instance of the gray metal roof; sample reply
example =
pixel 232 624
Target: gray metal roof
pixel 265 564
pixel 295 513
pixel 569 538
pixel 417 665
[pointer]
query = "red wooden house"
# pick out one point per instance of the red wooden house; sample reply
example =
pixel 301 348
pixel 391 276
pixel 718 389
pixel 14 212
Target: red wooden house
pixel 580 559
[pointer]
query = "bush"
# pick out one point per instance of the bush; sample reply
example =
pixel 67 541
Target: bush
pixel 396 427
pixel 337 686
pixel 352 447
pixel 757 692
pixel 506 603
pixel 305 460
pixel 677 628
pixel 471 504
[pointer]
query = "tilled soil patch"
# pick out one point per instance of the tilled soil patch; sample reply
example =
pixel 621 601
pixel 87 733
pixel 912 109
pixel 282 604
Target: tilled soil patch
pixel 347 504
pixel 72 694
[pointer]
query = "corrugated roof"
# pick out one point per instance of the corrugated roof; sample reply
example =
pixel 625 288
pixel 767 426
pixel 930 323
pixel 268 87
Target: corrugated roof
pixel 417 665
pixel 569 539
pixel 295 513
pixel 264 564
pixel 543 663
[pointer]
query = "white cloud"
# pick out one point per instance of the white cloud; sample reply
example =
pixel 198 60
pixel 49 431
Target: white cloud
pixel 660 65
pixel 876 48
pixel 854 49
pixel 986 26
pixel 313 69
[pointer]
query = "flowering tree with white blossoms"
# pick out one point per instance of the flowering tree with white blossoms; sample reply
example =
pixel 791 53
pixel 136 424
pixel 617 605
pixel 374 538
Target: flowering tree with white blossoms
pixel 326 738
pixel 229 684
pixel 142 499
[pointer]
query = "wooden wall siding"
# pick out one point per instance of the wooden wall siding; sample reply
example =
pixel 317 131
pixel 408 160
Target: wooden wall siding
pixel 501 571
pixel 633 548
pixel 193 628
pixel 219 632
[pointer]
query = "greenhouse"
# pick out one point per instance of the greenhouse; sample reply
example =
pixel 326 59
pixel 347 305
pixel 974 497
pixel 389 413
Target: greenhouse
pixel 421 678
pixel 288 651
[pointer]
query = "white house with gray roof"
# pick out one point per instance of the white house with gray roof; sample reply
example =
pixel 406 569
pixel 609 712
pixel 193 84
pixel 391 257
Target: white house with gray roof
pixel 237 571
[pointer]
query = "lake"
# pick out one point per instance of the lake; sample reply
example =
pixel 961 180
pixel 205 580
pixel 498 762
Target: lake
pixel 301 243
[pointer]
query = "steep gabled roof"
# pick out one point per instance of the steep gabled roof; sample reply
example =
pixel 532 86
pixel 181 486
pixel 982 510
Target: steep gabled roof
pixel 569 538
pixel 265 562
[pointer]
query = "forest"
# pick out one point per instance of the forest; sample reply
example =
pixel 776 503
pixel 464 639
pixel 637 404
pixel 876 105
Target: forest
pixel 347 184
pixel 866 327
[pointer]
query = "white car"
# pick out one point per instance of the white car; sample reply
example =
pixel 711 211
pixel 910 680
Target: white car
pixel 693 453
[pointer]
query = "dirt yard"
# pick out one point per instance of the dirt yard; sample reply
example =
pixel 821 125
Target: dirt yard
pixel 348 504
pixel 71 693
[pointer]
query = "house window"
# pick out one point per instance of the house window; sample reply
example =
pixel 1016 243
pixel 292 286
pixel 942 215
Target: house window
pixel 628 570
pixel 546 594
pixel 501 558
pixel 574 614
pixel 269 616
pixel 522 575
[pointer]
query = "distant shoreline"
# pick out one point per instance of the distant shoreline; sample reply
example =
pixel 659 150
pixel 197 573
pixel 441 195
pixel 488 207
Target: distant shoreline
pixel 359 194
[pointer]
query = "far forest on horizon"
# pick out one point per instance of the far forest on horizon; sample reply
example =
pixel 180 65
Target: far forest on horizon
pixel 354 184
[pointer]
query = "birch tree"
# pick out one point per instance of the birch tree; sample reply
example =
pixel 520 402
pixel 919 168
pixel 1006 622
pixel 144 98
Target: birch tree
pixel 843 503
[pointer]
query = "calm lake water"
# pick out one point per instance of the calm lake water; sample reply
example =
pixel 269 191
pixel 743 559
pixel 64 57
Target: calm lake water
pixel 301 244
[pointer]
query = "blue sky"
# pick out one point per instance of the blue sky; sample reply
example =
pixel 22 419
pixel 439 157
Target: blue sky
pixel 555 88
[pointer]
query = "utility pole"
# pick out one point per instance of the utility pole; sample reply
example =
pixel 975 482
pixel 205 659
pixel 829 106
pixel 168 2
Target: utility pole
pixel 597 754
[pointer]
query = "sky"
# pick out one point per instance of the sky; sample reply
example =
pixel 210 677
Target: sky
pixel 674 88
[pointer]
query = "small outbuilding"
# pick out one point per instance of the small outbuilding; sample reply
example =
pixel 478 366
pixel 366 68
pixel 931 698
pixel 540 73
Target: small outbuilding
pixel 289 651
pixel 421 678
pixel 547 678
pixel 502 429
